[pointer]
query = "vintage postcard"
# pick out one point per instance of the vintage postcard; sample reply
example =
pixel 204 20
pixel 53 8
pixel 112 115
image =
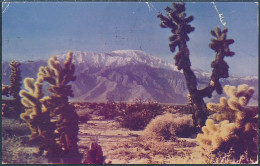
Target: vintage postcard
pixel 130 82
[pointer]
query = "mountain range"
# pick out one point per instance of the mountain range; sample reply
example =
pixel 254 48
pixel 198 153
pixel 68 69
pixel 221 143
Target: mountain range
pixel 129 75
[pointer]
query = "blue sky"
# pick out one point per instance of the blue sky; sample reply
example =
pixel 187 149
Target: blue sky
pixel 39 30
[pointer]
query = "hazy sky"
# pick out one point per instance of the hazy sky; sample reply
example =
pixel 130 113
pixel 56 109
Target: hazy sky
pixel 38 30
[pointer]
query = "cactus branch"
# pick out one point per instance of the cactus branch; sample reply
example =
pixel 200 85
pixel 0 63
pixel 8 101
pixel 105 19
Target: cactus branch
pixel 177 21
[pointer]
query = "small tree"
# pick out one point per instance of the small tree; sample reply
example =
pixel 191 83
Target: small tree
pixel 177 21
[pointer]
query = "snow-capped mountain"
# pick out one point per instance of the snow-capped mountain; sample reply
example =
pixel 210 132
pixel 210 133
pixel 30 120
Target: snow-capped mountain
pixel 128 75
pixel 118 58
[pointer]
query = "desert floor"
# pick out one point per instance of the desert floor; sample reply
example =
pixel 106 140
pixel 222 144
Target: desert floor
pixel 124 146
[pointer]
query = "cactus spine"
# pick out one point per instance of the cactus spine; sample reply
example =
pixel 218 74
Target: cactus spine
pixel 177 21
pixel 56 105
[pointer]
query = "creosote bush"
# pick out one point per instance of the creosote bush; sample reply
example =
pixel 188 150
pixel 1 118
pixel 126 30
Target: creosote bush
pixel 169 126
pixel 110 109
pixel 133 116
pixel 138 115
pixel 235 127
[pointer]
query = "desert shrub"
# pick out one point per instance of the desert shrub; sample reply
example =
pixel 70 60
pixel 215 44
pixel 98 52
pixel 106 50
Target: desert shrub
pixel 8 108
pixel 14 152
pixel 155 147
pixel 235 127
pixel 13 127
pixel 83 115
pixel 4 107
pixel 109 109
pixel 137 116
pixel 6 90
pixel 226 158
pixel 169 126
pixel 93 105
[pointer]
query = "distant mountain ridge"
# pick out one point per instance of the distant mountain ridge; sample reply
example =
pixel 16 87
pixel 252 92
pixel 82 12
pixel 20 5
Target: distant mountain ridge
pixel 128 75
pixel 118 58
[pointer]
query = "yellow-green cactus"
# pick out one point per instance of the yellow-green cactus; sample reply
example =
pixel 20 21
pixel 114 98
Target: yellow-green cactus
pixel 59 77
pixel 237 127
pixel 31 98
pixel 37 117
pixel 41 109
pixel 215 134
pixel 235 107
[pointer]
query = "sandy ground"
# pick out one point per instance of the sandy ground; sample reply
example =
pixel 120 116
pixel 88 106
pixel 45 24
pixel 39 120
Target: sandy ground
pixel 107 133
pixel 123 146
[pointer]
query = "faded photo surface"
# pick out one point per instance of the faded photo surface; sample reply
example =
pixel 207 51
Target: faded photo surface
pixel 130 82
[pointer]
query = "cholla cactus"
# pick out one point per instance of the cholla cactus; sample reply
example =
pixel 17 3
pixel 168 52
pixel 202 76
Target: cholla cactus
pixel 238 124
pixel 177 21
pixel 221 46
pixel 234 108
pixel 94 155
pixel 215 135
pixel 14 88
pixel 15 80
pixel 37 117
pixel 41 110
pixel 67 124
